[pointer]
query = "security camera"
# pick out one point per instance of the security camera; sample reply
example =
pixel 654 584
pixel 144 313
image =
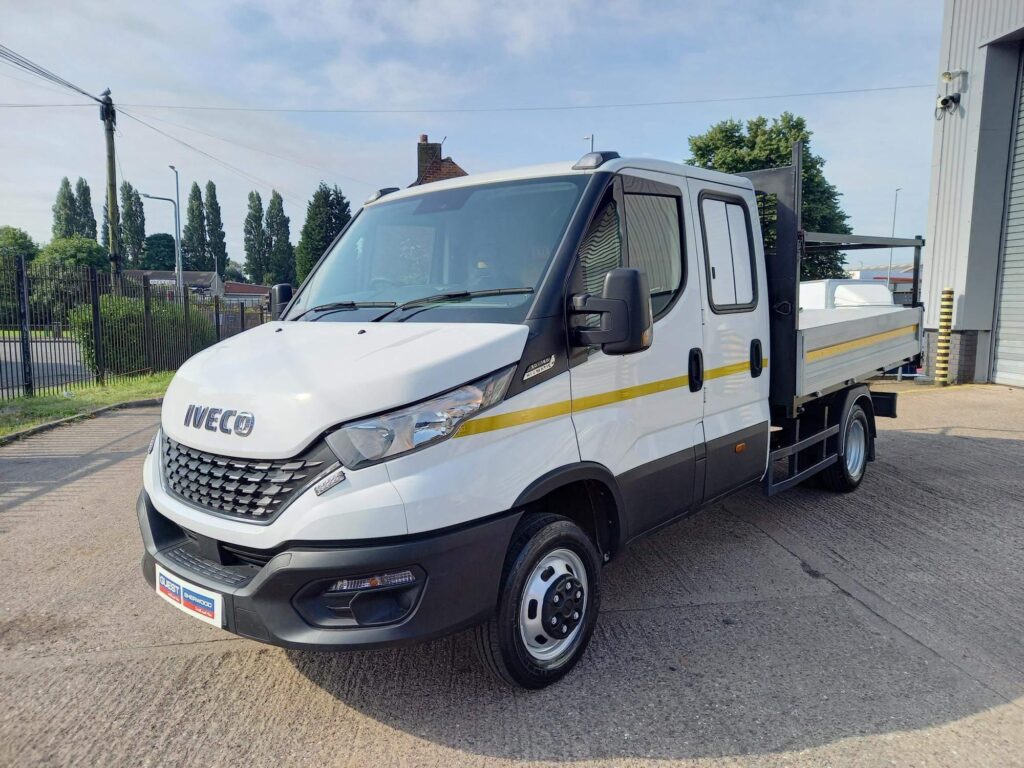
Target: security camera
pixel 949 76
pixel 949 102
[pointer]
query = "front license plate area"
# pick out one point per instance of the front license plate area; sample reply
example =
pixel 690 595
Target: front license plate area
pixel 198 602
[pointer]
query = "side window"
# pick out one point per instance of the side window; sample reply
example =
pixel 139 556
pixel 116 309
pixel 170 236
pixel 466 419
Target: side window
pixel 730 261
pixel 654 245
pixel 601 250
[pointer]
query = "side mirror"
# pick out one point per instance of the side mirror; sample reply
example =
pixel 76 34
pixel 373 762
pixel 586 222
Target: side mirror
pixel 280 295
pixel 627 323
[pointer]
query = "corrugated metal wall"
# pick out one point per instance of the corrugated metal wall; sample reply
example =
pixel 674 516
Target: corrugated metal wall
pixel 967 24
pixel 1008 362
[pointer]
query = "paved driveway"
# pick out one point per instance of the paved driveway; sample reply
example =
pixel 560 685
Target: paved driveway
pixel 880 628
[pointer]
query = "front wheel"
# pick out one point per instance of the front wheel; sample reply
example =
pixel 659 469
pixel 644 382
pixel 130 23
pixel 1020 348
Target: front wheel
pixel 547 606
pixel 847 473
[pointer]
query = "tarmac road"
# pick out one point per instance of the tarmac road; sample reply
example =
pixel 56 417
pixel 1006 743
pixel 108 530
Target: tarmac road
pixel 879 628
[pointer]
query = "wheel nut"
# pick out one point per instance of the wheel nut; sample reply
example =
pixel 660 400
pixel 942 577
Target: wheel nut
pixel 553 621
pixel 565 628
pixel 575 615
pixel 556 599
pixel 579 594
pixel 568 586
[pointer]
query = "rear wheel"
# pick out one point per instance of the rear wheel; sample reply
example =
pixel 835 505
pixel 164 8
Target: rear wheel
pixel 547 607
pixel 847 473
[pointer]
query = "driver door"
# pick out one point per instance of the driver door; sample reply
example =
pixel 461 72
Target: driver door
pixel 636 414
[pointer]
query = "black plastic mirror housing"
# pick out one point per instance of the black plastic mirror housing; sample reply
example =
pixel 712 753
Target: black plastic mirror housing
pixel 280 295
pixel 627 322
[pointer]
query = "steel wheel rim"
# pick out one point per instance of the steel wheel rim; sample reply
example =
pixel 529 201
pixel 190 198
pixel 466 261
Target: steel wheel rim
pixel 557 564
pixel 856 448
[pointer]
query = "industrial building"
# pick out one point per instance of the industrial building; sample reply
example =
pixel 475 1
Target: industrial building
pixel 976 201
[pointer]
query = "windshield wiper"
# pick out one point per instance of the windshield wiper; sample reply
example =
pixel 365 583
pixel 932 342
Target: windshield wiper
pixel 439 298
pixel 336 306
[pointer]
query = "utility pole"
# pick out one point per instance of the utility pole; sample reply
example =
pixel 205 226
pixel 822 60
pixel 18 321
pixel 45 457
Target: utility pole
pixel 178 281
pixel 895 202
pixel 109 117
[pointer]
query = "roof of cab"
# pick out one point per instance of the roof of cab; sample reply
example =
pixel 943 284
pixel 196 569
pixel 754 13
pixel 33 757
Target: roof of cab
pixel 566 169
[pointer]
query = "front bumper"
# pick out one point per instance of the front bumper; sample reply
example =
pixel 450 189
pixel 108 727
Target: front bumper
pixel 458 577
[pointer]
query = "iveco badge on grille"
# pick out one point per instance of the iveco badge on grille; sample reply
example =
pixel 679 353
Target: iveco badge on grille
pixel 219 419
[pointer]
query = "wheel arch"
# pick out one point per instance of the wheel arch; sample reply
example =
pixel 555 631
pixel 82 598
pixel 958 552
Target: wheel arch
pixel 857 395
pixel 587 493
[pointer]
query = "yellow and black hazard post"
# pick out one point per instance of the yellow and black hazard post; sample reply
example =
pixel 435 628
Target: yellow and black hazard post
pixel 945 331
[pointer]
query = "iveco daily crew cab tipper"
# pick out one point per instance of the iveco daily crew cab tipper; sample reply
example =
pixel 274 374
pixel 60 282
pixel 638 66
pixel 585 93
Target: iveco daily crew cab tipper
pixel 486 388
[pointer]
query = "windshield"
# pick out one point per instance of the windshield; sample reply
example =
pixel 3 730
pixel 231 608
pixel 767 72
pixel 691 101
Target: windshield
pixel 470 242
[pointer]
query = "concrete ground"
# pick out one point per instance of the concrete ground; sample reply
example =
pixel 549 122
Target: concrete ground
pixel 879 628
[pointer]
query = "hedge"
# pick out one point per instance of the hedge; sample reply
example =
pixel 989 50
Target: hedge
pixel 122 333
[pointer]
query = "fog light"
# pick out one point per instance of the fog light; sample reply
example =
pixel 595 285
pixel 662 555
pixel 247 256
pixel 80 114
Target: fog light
pixel 393 579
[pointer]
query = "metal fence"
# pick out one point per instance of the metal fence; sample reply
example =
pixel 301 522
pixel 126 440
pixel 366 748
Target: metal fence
pixel 63 328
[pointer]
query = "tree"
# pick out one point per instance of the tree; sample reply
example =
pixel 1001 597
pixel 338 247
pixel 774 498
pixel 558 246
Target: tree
pixel 133 225
pixel 280 253
pixel 158 252
pixel 65 211
pixel 234 273
pixel 341 212
pixel 215 239
pixel 194 248
pixel 319 229
pixel 727 147
pixel 16 242
pixel 74 251
pixel 255 238
pixel 105 233
pixel 85 217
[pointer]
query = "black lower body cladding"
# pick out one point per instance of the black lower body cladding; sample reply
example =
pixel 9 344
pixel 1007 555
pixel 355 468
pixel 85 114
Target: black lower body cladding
pixel 458 574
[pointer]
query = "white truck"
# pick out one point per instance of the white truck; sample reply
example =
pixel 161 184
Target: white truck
pixel 487 388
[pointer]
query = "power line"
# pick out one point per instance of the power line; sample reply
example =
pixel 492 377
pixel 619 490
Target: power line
pixel 529 108
pixel 259 149
pixel 48 106
pixel 235 169
pixel 20 62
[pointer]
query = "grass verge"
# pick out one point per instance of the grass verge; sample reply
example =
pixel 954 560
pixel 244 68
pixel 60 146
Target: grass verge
pixel 24 412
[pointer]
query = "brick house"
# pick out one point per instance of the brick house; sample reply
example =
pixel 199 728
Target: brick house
pixel 430 166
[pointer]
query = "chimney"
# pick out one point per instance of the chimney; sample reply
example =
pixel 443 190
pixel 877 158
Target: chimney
pixel 427 155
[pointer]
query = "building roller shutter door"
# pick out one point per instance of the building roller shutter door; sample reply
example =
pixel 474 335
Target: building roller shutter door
pixel 1008 358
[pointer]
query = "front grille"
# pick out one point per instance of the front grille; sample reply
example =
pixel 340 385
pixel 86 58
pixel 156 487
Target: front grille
pixel 256 490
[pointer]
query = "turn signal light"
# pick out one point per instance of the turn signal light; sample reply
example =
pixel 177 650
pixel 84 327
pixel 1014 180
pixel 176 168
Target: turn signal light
pixel 393 579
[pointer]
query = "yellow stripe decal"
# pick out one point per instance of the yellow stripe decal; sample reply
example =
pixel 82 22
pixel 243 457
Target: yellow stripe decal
pixel 864 341
pixel 514 418
pixel 565 407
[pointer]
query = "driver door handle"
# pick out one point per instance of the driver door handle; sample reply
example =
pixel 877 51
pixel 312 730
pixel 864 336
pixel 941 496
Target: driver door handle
pixel 695 369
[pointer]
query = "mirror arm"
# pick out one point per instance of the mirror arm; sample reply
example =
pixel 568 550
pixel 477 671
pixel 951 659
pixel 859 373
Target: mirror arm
pixel 587 304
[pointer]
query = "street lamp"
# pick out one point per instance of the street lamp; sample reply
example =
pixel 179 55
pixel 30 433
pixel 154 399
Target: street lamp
pixel 590 138
pixel 177 234
pixel 895 202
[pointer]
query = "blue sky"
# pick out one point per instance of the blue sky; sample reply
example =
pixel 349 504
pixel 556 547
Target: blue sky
pixel 448 54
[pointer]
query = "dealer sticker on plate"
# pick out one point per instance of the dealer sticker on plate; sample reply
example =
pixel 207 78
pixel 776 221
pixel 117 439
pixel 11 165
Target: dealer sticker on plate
pixel 196 601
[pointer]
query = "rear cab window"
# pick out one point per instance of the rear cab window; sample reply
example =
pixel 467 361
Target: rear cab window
pixel 728 253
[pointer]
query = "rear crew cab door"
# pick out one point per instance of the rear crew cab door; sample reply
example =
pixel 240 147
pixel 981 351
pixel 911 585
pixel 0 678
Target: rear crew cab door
pixel 736 346
pixel 635 414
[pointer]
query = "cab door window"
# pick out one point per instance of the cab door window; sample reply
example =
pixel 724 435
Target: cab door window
pixel 654 245
pixel 601 249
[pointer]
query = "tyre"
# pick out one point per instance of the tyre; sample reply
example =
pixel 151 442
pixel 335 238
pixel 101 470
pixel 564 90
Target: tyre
pixel 547 605
pixel 846 474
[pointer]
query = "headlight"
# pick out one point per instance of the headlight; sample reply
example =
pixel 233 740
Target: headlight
pixel 409 429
